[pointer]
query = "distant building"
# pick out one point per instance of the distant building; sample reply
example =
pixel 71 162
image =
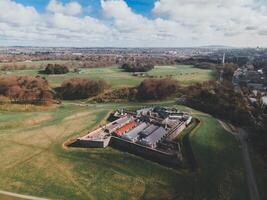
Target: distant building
pixel 252 78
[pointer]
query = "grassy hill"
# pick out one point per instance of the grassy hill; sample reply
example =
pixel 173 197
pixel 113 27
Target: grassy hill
pixel 33 160
pixel 116 77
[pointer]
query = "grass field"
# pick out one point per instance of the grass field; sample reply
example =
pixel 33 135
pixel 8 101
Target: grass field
pixel 34 64
pixel 33 160
pixel 186 74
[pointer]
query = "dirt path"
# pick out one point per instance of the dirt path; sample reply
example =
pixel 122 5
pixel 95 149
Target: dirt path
pixel 242 136
pixel 20 196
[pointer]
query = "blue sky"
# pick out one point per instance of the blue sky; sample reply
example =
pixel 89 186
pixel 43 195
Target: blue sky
pixel 140 6
pixel 133 23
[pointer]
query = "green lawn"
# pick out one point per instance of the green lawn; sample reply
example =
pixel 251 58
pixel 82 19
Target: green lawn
pixel 116 77
pixel 186 74
pixel 34 162
pixel 260 169
pixel 220 162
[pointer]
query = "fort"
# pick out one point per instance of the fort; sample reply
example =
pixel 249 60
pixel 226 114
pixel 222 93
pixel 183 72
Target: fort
pixel 147 132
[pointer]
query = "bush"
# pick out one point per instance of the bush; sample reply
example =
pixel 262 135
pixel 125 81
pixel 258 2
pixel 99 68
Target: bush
pixel 25 89
pixel 156 89
pixel 78 88
pixel 137 67
pixel 55 69
pixel 117 95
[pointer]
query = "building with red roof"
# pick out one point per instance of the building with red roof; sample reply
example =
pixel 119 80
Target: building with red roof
pixel 124 129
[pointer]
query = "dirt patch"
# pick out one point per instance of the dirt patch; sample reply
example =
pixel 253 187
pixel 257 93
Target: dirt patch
pixel 37 120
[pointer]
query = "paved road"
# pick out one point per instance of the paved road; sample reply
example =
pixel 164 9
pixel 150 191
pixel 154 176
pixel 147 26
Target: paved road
pixel 242 137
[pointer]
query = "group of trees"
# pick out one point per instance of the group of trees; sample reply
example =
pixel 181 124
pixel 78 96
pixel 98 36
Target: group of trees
pixel 36 90
pixel 125 94
pixel 55 69
pixel 149 89
pixel 79 88
pixel 219 99
pixel 157 89
pixel 25 89
pixel 137 67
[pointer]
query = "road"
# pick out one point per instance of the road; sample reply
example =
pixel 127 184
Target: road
pixel 242 137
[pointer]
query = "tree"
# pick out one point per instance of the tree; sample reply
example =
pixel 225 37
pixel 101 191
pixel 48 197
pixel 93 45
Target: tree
pixel 55 69
pixel 26 89
pixel 78 88
pixel 156 89
pixel 137 67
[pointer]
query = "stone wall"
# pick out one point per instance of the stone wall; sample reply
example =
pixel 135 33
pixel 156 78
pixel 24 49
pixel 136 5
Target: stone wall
pixel 167 159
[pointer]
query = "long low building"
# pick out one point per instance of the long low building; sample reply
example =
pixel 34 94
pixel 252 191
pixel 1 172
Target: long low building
pixel 125 128
pixel 147 131
pixel 154 138
pixel 110 128
pixel 133 134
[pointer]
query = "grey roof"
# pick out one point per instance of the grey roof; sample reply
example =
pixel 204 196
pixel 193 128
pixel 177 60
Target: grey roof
pixel 118 123
pixel 146 132
pixel 155 137
pixel 134 133
pixel 144 110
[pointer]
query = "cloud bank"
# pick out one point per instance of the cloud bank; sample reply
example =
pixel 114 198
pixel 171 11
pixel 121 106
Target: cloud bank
pixel 174 23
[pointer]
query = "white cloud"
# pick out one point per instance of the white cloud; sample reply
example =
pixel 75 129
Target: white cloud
pixel 135 28
pixel 17 14
pixel 226 21
pixel 72 8
pixel 175 23
pixel 225 16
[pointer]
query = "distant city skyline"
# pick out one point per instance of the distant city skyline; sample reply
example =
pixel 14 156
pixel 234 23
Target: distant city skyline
pixel 133 23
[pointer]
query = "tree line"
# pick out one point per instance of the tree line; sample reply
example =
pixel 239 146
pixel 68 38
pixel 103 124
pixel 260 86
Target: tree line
pixel 219 99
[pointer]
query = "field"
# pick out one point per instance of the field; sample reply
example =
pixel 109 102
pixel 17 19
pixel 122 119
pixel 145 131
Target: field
pixel 186 74
pixel 34 64
pixel 260 172
pixel 34 161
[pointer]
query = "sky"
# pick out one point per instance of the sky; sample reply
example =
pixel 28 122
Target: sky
pixel 133 23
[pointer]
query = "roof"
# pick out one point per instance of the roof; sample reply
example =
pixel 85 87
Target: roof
pixel 154 137
pixel 133 134
pixel 149 130
pixel 119 122
pixel 125 128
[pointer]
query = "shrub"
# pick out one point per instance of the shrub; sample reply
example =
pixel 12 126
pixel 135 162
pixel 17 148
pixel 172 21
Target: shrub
pixel 78 88
pixel 55 69
pixel 156 89
pixel 137 67
pixel 26 89
pixel 117 95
